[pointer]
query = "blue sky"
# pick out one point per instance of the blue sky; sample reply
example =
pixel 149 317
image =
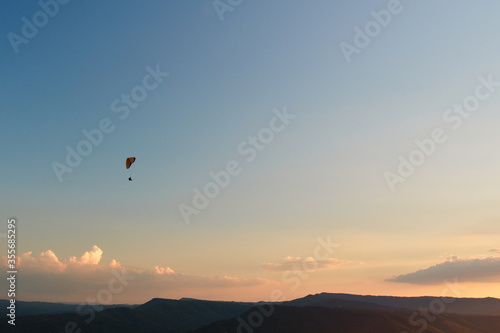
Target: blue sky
pixel 322 175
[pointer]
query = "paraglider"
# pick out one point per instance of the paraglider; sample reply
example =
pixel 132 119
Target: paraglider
pixel 128 163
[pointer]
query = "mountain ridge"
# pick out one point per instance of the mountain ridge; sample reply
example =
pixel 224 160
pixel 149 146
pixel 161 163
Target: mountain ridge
pixel 322 310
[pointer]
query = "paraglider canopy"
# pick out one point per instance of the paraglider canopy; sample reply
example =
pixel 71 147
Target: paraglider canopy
pixel 129 162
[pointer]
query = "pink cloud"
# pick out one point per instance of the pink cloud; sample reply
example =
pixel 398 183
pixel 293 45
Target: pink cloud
pixel 89 258
pixel 48 261
pixel 82 279
pixel 307 264
pixel 163 270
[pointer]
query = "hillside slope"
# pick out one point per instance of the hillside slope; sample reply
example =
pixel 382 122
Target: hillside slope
pixel 287 319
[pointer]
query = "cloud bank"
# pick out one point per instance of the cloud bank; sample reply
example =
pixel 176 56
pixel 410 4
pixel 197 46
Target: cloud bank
pixel 464 270
pixel 306 264
pixel 82 279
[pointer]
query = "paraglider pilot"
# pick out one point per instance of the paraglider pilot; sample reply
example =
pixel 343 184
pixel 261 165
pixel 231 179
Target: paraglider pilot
pixel 128 163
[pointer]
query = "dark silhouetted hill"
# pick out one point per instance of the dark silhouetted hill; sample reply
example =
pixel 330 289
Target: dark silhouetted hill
pixel 482 306
pixel 44 308
pixel 318 313
pixel 157 315
pixel 293 319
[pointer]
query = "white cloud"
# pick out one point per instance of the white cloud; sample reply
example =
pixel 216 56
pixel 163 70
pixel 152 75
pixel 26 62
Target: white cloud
pixel 48 261
pixel 89 258
pixel 163 270
pixel 49 278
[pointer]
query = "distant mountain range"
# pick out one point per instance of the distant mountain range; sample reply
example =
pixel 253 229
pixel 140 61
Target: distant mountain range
pixel 482 306
pixel 318 313
pixel 44 308
pixel 331 320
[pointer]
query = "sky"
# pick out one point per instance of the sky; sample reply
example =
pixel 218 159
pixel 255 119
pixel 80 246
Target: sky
pixel 282 148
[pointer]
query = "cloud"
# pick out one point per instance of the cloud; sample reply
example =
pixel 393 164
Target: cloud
pixel 163 270
pixel 48 261
pixel 82 279
pixel 115 264
pixel 495 250
pixel 89 258
pixel 306 264
pixel 464 270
